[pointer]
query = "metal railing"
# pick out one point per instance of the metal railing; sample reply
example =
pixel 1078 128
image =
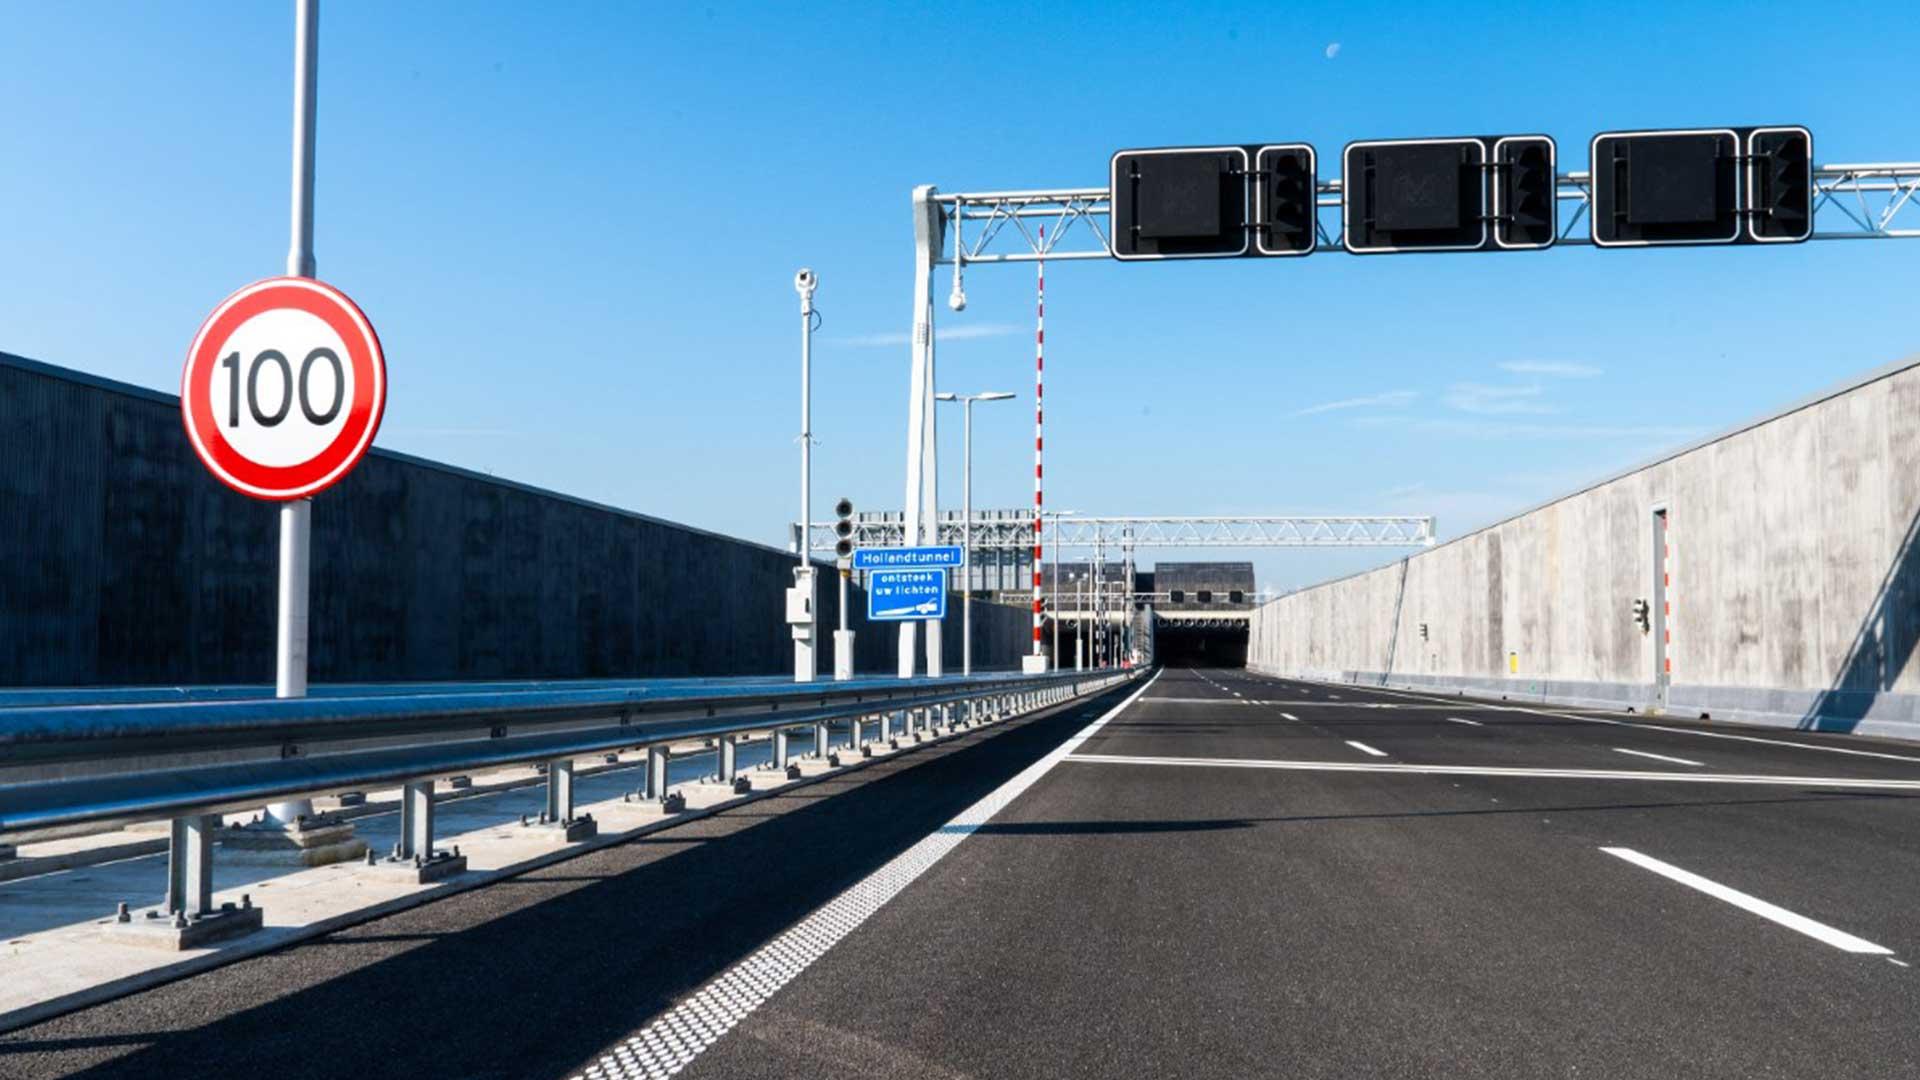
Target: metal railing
pixel 193 760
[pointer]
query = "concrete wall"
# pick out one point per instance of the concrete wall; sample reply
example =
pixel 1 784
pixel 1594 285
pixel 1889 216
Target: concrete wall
pixel 1795 582
pixel 125 562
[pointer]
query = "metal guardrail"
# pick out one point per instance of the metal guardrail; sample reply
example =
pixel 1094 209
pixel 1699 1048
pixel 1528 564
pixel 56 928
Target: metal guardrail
pixel 192 760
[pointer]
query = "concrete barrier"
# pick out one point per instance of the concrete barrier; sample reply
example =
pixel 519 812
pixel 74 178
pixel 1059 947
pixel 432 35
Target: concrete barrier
pixel 127 564
pixel 1778 560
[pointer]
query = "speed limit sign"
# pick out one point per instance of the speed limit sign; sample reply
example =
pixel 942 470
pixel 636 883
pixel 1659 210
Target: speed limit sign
pixel 284 388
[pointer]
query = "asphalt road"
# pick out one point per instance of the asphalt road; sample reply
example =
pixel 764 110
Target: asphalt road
pixel 1232 876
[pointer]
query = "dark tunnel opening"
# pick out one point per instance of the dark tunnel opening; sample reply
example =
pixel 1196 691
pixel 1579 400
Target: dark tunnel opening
pixel 1200 646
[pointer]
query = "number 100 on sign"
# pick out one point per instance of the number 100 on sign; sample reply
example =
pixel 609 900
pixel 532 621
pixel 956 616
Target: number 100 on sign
pixel 283 389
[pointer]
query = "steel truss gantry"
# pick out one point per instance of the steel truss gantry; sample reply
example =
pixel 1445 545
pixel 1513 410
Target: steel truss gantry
pixel 1003 531
pixel 1871 201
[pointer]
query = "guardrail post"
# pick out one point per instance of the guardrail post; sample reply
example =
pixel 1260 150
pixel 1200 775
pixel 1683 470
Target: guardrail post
pixel 780 751
pixel 854 725
pixel 728 756
pixel 416 819
pixel 190 865
pixel 560 789
pixel 886 726
pixel 821 731
pixel 657 757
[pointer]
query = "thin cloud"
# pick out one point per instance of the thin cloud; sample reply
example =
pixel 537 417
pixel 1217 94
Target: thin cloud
pixel 957 333
pixel 1392 399
pixel 1483 400
pixel 1656 436
pixel 1556 369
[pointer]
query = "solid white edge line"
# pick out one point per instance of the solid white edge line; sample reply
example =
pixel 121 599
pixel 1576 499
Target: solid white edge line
pixel 673 1039
pixel 1751 779
pixel 1658 757
pixel 1365 749
pixel 1821 932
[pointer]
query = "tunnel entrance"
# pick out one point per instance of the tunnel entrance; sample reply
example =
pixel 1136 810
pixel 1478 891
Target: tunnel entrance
pixel 1202 645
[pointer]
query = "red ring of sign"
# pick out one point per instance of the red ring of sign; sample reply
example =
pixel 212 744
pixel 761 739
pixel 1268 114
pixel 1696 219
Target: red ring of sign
pixel 339 456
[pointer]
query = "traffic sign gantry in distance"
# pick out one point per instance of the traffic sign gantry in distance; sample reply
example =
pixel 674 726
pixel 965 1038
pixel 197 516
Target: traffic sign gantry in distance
pixel 1467 193
pixel 1724 185
pixel 1179 203
pixel 283 389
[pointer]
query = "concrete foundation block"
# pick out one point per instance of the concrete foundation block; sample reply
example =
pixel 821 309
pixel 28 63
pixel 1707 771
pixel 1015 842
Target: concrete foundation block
pixel 443 865
pixel 314 842
pixel 155 929
pixel 565 832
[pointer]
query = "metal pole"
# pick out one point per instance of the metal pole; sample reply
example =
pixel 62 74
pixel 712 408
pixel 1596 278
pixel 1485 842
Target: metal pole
pixel 296 517
pixel 927 227
pixel 1053 601
pixel 966 543
pixel 1039 401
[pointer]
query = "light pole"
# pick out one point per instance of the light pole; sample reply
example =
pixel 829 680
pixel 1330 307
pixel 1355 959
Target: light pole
pixel 800 598
pixel 966 519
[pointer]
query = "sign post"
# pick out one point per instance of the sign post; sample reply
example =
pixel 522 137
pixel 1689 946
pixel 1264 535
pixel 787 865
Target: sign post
pixel 284 388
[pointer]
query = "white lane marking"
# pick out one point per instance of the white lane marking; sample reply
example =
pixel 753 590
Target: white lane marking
pixel 677 1036
pixel 1658 757
pixel 1365 749
pixel 1821 932
pixel 1463 720
pixel 1288 716
pixel 1902 963
pixel 1645 726
pixel 1848 782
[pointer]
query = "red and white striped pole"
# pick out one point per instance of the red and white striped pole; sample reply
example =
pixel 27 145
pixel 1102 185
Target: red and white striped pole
pixel 1039 412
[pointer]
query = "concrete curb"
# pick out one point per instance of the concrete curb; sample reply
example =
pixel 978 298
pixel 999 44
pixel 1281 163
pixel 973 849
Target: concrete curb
pixel 274 939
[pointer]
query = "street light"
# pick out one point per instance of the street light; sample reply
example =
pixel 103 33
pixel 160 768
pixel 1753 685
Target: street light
pixel 966 517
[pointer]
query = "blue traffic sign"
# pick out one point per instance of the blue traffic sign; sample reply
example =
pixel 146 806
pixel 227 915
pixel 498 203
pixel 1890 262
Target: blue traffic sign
pixel 901 595
pixel 909 558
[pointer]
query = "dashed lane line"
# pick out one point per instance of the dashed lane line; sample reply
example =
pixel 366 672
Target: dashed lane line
pixel 1752 779
pixel 1641 725
pixel 1464 720
pixel 1658 757
pixel 1365 749
pixel 674 1039
pixel 1818 931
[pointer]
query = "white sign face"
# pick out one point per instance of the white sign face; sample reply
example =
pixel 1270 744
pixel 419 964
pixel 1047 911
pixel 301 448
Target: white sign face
pixel 283 389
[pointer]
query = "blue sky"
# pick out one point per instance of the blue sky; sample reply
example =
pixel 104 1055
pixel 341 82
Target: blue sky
pixel 576 227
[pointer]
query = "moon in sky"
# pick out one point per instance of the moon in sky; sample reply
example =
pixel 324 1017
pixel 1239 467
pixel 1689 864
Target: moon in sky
pixel 1333 50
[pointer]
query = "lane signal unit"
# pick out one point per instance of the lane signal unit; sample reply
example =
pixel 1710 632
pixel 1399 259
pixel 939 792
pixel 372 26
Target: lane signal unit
pixel 1467 193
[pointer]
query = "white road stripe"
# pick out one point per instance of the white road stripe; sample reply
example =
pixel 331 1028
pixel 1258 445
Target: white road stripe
pixel 1288 716
pixel 1821 932
pixel 1365 749
pixel 1657 757
pixel 1848 782
pixel 677 1036
pixel 1463 720
pixel 1646 726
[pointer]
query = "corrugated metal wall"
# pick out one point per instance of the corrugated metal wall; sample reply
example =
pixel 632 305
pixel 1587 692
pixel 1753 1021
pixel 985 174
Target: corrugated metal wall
pixel 125 562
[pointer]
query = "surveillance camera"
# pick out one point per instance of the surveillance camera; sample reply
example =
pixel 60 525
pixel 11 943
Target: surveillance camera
pixel 804 281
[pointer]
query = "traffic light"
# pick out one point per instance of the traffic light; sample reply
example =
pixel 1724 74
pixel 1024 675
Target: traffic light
pixel 1525 198
pixel 1179 203
pixel 1779 185
pixel 1414 195
pixel 1643 614
pixel 843 531
pixel 1286 184
pixel 1666 187
pixel 1423 631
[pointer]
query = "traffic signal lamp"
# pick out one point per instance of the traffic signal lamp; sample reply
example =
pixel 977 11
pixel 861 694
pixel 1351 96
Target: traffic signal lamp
pixel 843 530
pixel 1643 614
pixel 1779 184
pixel 1423 631
pixel 1525 198
pixel 1179 203
pixel 1285 188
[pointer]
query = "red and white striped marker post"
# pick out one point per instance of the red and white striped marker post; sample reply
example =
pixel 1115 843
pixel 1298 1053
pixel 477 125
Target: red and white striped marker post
pixel 1038 662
